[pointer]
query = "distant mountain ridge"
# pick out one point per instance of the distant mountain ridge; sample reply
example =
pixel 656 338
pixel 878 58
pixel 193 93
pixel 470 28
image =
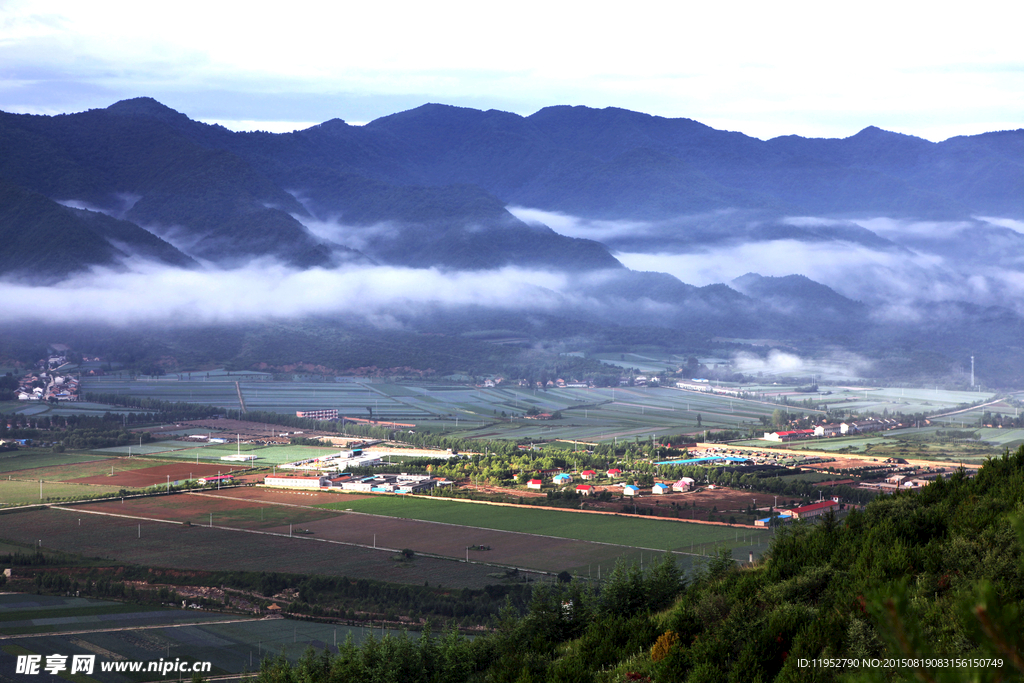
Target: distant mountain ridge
pixel 430 187
pixel 440 187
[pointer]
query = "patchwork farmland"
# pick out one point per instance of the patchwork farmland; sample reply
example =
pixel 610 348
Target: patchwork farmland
pixel 545 540
pixel 178 546
pixel 659 534
pixel 20 492
pixel 155 475
pixel 37 614
pixel 588 414
pixel 111 631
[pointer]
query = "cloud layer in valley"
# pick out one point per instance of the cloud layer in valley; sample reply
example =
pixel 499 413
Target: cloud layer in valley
pixel 834 365
pixel 262 290
pixel 897 264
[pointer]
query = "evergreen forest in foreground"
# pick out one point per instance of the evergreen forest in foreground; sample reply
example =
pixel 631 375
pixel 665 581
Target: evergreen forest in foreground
pixel 919 586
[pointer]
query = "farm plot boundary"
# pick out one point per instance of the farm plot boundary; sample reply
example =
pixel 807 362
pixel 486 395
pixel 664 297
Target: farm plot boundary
pixel 652 534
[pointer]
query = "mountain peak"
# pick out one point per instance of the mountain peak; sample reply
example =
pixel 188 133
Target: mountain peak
pixel 880 134
pixel 145 106
pixel 331 126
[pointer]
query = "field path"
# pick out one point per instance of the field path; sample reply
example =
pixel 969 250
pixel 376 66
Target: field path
pixel 241 401
pixel 966 410
pixel 113 514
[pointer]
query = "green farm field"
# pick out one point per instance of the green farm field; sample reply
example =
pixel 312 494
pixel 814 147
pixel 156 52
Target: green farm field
pixel 71 468
pixel 592 415
pixel 587 414
pixel 625 531
pixel 143 449
pixel 11 548
pixel 266 455
pixel 13 492
pixel 27 459
pixel 907 401
pixel 76 408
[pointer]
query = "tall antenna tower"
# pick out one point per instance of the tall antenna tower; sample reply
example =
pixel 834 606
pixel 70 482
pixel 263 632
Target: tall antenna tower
pixel 972 371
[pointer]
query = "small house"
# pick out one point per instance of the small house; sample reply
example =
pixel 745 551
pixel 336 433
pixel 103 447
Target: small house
pixel 562 478
pixel 584 489
pixel 683 485
pixel 631 490
pixel 614 473
pixel 660 488
pixel 534 484
pixel 587 475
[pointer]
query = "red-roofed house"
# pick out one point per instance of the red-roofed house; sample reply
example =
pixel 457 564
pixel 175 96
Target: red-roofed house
pixel 534 484
pixel 588 474
pixel 614 473
pixel 791 435
pixel 585 489
pixel 815 509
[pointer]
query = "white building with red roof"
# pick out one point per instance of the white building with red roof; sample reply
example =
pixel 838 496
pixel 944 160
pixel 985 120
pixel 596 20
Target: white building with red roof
pixel 814 509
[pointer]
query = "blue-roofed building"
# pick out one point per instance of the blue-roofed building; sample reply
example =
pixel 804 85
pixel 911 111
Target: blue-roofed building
pixel 661 488
pixel 562 478
pixel 767 521
pixel 631 490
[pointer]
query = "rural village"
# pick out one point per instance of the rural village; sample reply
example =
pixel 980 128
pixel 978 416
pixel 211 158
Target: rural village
pixel 320 515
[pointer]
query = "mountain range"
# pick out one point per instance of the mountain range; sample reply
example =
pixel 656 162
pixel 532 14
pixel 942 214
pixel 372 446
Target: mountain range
pixel 766 230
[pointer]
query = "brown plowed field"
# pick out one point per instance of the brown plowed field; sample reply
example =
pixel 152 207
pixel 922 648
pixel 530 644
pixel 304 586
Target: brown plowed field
pixel 233 508
pixel 232 512
pixel 841 463
pixel 150 476
pixel 507 548
pixel 157 544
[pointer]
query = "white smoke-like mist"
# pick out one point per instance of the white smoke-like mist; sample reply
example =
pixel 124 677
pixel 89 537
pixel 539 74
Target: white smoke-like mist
pixel 267 290
pixel 835 365
pixel 573 226
pixel 898 267
pixel 355 237
pixel 913 264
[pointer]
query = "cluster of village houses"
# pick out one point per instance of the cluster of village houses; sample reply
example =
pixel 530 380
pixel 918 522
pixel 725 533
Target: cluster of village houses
pixel 49 383
pixel 378 483
pixel 57 387
pixel 563 479
pixel 637 381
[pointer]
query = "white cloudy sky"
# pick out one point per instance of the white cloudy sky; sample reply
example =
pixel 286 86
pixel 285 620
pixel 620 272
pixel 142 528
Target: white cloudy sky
pixel 766 69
